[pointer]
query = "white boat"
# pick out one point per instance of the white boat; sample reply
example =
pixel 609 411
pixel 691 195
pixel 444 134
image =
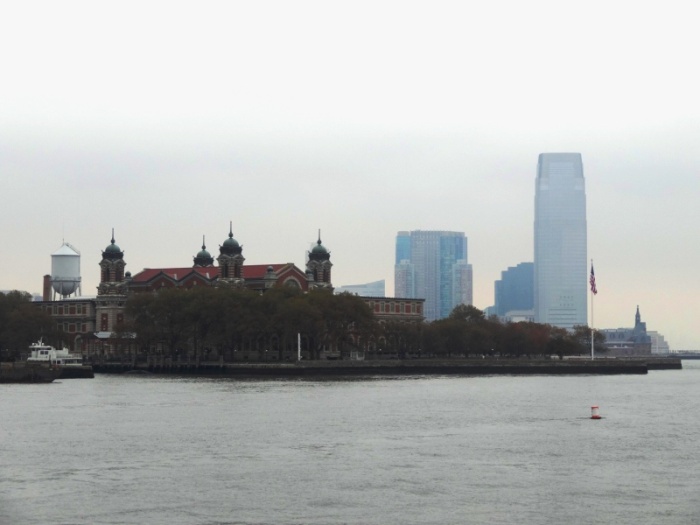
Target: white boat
pixel 41 353
pixel 71 365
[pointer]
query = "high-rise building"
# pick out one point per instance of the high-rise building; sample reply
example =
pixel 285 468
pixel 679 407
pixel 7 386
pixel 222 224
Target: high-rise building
pixel 515 290
pixel 560 241
pixel 433 265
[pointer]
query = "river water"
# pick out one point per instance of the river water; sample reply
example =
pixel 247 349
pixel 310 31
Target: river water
pixel 419 450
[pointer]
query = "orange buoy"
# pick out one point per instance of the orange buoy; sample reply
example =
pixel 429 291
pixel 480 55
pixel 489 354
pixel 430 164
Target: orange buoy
pixel 594 412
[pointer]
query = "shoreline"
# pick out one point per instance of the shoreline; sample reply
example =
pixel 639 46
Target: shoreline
pixel 459 367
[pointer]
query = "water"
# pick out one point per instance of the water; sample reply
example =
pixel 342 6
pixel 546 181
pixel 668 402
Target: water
pixel 422 450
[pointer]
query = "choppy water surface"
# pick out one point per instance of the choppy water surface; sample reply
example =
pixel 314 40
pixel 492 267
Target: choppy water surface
pixel 497 450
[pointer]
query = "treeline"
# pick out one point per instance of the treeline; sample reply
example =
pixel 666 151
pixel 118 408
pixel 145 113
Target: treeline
pixel 467 332
pixel 207 322
pixel 21 323
pixel 199 320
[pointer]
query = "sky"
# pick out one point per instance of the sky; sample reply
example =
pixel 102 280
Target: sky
pixel 167 120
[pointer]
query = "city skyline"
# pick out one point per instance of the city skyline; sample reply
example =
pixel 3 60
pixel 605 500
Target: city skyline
pixel 278 118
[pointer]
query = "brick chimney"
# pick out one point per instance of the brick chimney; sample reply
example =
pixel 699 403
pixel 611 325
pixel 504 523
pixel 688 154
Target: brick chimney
pixel 47 288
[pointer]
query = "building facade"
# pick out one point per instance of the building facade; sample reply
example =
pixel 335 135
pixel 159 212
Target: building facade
pixel 374 289
pixel 92 321
pixel 515 291
pixel 629 341
pixel 433 265
pixel 560 267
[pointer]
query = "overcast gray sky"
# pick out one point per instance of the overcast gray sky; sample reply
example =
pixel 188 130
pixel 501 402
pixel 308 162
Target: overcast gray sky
pixel 166 120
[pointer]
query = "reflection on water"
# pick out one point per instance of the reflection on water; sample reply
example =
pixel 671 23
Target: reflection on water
pixel 153 449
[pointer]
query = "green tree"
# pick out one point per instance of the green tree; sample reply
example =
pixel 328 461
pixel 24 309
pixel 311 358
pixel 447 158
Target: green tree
pixel 22 323
pixel 563 343
pixel 582 336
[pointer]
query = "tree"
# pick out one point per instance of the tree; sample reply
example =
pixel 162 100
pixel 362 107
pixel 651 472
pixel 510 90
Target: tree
pixel 467 312
pixel 22 323
pixel 562 343
pixel 582 335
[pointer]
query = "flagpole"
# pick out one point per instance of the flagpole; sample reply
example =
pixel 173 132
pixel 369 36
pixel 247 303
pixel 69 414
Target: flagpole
pixel 592 328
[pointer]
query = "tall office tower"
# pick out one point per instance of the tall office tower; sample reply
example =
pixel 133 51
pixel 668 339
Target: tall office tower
pixel 515 291
pixel 432 265
pixel 560 241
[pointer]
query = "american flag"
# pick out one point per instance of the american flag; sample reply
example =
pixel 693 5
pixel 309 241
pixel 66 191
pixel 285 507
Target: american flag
pixel 594 290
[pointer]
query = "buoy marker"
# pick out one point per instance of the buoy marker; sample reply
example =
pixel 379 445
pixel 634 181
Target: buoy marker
pixel 594 412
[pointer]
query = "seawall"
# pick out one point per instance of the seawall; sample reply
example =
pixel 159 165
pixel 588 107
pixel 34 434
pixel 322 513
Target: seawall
pixel 464 367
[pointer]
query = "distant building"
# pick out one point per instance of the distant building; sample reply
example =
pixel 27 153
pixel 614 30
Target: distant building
pixel 397 309
pixel 75 317
pixel 374 289
pixel 489 311
pixel 561 266
pixel 433 265
pixel 404 279
pixel 519 316
pixel 628 341
pixel 659 346
pixel 89 322
pixel 515 291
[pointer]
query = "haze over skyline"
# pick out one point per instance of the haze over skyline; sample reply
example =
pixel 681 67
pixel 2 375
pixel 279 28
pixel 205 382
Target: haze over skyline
pixel 168 120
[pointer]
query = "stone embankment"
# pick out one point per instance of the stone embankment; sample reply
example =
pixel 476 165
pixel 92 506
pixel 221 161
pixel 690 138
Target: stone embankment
pixel 408 367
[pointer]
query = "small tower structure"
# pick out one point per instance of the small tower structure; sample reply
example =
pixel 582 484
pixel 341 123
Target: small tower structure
pixel 111 292
pixel 203 258
pixel 318 267
pixel 231 261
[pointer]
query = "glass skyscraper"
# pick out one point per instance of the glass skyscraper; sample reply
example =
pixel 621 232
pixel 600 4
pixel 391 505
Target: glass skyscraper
pixel 560 241
pixel 515 290
pixel 432 265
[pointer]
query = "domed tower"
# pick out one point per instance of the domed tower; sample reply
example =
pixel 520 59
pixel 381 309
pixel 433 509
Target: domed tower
pixel 111 293
pixel 230 261
pixel 319 266
pixel 112 270
pixel 203 258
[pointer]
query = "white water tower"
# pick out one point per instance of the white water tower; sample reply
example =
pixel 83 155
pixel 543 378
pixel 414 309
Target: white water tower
pixel 65 271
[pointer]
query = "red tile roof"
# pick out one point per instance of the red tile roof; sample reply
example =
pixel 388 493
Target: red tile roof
pixel 250 271
pixel 177 274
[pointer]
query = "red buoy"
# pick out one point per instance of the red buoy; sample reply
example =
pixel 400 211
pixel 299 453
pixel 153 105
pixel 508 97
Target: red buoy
pixel 594 412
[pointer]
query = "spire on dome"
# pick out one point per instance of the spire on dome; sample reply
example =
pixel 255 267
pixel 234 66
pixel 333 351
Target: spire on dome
pixel 204 258
pixel 230 245
pixel 112 251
